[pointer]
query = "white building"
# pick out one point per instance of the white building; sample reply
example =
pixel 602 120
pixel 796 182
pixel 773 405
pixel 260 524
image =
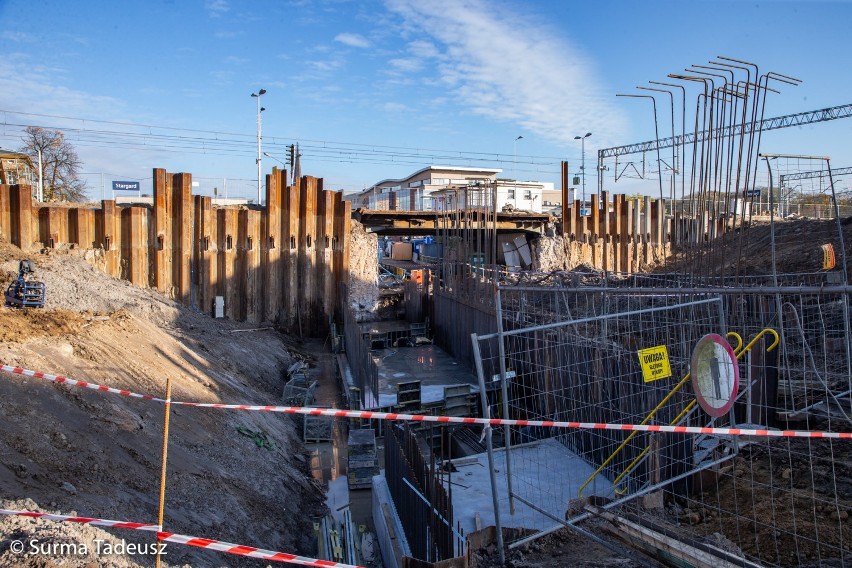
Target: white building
pixel 451 187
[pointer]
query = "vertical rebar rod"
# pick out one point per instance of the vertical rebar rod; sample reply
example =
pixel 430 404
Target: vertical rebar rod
pixel 674 146
pixel 162 503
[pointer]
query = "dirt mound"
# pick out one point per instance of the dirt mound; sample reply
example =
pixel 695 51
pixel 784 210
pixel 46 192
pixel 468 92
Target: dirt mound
pixel 86 545
pixel 747 251
pixel 76 449
pixel 17 326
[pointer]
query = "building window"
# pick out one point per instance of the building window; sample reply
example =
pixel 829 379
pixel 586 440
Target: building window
pixel 511 194
pixel 528 195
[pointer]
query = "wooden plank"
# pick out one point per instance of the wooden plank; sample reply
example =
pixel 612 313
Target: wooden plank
pixel 707 556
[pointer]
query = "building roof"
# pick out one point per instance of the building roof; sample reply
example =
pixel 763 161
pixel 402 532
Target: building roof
pixel 11 154
pixel 441 168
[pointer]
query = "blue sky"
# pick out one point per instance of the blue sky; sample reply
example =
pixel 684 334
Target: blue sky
pixel 378 89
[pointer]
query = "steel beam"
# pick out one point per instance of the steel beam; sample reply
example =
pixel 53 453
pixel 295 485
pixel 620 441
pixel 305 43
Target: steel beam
pixel 832 113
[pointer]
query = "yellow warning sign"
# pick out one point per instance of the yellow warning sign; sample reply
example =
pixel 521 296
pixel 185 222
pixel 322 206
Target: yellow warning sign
pixel 655 363
pixel 828 261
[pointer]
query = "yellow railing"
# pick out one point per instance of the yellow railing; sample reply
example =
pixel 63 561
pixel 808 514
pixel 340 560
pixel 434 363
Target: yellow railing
pixel 738 352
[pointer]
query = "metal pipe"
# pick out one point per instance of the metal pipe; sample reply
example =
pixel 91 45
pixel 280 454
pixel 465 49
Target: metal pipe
pixel 690 290
pixel 489 444
pixel 595 318
pixel 504 388
pixel 585 533
pixel 674 165
pixel 260 109
pixel 656 132
pixel 742 122
pixel 165 454
pixel 846 324
pixel 617 502
pixel 682 134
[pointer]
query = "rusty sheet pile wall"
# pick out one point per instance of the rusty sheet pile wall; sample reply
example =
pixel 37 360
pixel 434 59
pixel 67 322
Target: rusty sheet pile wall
pixel 279 263
pixel 623 237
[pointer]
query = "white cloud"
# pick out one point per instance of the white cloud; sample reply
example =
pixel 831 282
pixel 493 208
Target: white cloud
pixel 33 94
pixel 30 86
pixel 425 49
pixel 406 65
pixel 222 77
pixel 511 69
pixel 21 37
pixel 234 60
pixel 216 8
pixel 324 66
pixel 394 107
pixel 352 40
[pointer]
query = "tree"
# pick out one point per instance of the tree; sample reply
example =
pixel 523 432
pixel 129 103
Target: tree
pixel 60 164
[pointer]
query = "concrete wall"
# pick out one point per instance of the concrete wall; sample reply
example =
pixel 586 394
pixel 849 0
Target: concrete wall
pixel 280 263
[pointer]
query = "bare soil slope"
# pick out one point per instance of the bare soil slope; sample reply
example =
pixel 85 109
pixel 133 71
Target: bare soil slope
pixel 70 449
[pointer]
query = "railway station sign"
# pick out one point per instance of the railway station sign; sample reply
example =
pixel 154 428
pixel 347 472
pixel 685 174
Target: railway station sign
pixel 715 374
pixel 125 186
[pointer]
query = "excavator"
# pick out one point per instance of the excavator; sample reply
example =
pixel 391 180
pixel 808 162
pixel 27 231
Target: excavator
pixel 23 292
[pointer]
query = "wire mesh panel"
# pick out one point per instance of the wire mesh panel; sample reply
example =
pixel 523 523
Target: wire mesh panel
pixel 591 370
pixel 571 354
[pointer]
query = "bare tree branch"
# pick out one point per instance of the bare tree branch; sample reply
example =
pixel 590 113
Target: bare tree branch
pixel 60 164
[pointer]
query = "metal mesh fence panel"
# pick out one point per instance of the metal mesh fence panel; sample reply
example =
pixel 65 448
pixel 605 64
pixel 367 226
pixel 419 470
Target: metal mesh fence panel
pixel 572 354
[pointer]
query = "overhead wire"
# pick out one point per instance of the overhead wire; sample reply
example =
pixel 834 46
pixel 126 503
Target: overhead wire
pixel 219 143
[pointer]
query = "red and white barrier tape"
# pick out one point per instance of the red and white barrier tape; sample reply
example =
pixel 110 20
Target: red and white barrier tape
pixel 248 551
pixel 82 520
pixel 74 382
pixel 366 414
pixel 218 545
pixel 543 423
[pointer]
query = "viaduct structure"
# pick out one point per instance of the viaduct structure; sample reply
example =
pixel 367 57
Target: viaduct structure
pixel 281 263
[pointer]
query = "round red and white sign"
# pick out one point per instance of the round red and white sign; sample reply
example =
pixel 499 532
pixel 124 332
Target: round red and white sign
pixel 715 374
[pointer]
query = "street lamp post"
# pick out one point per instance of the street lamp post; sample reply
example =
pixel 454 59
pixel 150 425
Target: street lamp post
pixel 286 169
pixel 582 140
pixel 260 109
pixel 40 194
pixel 514 166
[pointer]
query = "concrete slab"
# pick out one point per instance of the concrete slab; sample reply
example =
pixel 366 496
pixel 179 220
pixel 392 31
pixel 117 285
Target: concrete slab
pixel 429 364
pixel 545 473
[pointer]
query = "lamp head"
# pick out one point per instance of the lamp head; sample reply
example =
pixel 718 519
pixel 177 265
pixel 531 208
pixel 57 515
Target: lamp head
pixel 587 134
pixel 261 92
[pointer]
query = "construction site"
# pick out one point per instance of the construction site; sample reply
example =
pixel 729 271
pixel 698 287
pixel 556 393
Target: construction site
pixel 662 380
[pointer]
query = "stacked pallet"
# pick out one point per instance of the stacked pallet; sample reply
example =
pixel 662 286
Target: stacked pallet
pixel 363 459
